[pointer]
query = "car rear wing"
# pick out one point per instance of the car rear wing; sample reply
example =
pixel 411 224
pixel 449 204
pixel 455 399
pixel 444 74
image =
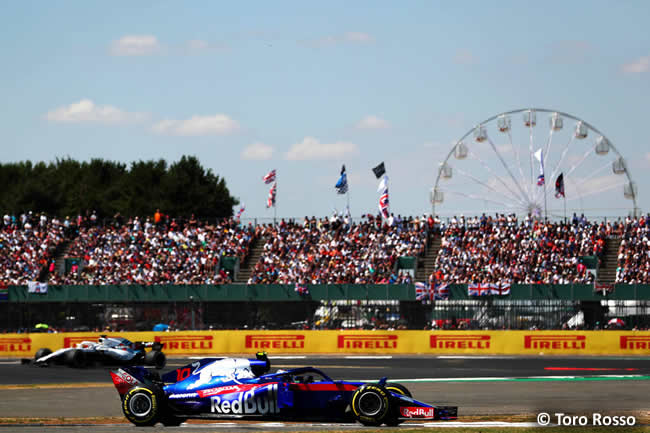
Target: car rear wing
pixel 154 345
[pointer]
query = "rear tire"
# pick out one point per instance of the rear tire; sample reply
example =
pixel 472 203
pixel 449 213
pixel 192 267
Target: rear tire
pixel 172 421
pixel 142 405
pixel 156 359
pixel 371 404
pixel 75 358
pixel 41 353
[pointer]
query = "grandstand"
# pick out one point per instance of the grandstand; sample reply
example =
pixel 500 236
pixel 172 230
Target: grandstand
pixel 481 249
pixel 331 251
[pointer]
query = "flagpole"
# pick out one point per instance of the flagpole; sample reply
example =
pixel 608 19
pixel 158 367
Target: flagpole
pixel 564 199
pixel 275 204
pixel 348 197
pixel 545 199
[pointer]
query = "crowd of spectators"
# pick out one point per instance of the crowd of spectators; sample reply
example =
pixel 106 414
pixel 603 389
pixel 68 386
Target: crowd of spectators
pixel 335 251
pixel 633 264
pixel 158 250
pixel 27 245
pixel 502 249
pixel 330 250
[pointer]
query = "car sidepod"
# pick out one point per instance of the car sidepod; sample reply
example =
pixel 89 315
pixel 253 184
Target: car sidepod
pixel 232 399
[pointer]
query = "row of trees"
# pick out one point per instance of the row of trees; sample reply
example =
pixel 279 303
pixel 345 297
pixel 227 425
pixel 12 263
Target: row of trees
pixel 69 187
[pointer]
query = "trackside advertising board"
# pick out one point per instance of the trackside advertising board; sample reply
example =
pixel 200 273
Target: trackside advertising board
pixel 357 342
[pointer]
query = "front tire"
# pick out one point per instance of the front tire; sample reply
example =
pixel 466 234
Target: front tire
pixel 75 358
pixel 371 405
pixel 396 388
pixel 142 406
pixel 40 353
pixel 156 359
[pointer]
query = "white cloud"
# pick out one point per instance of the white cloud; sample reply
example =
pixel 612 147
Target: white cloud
pixel 311 148
pixel 258 151
pixel 347 37
pixel 372 122
pixel 135 45
pixel 87 111
pixel 218 124
pixel 357 37
pixel 642 64
pixel 465 57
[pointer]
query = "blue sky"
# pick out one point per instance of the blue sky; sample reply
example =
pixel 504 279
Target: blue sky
pixel 304 87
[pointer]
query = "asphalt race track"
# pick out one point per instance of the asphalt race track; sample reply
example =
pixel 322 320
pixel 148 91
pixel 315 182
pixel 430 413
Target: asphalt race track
pixel 480 386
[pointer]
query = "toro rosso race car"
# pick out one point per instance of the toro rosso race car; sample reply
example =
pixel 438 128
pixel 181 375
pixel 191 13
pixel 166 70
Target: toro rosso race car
pixel 106 350
pixel 243 388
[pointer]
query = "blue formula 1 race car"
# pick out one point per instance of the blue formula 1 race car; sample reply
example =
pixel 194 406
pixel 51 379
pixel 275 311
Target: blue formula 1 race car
pixel 244 388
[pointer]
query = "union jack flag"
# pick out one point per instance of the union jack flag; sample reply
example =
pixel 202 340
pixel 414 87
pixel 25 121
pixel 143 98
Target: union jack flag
pixel 441 291
pixel 475 290
pixel 383 203
pixel 270 202
pixel 270 177
pixel 423 292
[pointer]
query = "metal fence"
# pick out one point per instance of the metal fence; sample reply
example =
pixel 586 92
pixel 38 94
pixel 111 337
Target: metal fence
pixel 340 314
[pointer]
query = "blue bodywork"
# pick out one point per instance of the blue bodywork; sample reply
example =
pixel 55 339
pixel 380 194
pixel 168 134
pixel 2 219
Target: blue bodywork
pixel 236 387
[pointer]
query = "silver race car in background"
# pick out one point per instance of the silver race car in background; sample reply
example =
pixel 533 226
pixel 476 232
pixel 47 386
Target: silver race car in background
pixel 106 350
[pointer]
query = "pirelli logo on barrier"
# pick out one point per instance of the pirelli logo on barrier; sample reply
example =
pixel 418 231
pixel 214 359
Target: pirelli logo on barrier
pixel 15 344
pixel 453 342
pixel 635 342
pixel 361 341
pixel 73 341
pixel 555 342
pixel 184 342
pixel 275 341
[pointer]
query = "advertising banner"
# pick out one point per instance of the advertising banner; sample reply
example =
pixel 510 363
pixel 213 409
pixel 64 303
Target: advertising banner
pixel 356 342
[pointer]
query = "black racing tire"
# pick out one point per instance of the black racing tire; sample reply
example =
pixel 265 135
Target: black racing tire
pixel 397 388
pixel 41 353
pixel 143 405
pixel 156 359
pixel 75 358
pixel 172 421
pixel 371 404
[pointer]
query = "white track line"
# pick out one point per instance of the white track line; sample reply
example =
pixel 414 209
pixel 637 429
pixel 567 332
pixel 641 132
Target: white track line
pixel 297 426
pixel 287 357
pixel 369 357
pixel 473 357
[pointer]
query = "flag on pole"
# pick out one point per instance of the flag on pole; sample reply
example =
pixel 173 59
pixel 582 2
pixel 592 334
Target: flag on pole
pixel 559 186
pixel 270 177
pixel 383 184
pixel 270 202
pixel 540 158
pixel 379 171
pixel 383 203
pixel 240 211
pixel 342 185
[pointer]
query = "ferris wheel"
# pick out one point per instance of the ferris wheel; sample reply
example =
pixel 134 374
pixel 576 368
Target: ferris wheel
pixel 534 161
